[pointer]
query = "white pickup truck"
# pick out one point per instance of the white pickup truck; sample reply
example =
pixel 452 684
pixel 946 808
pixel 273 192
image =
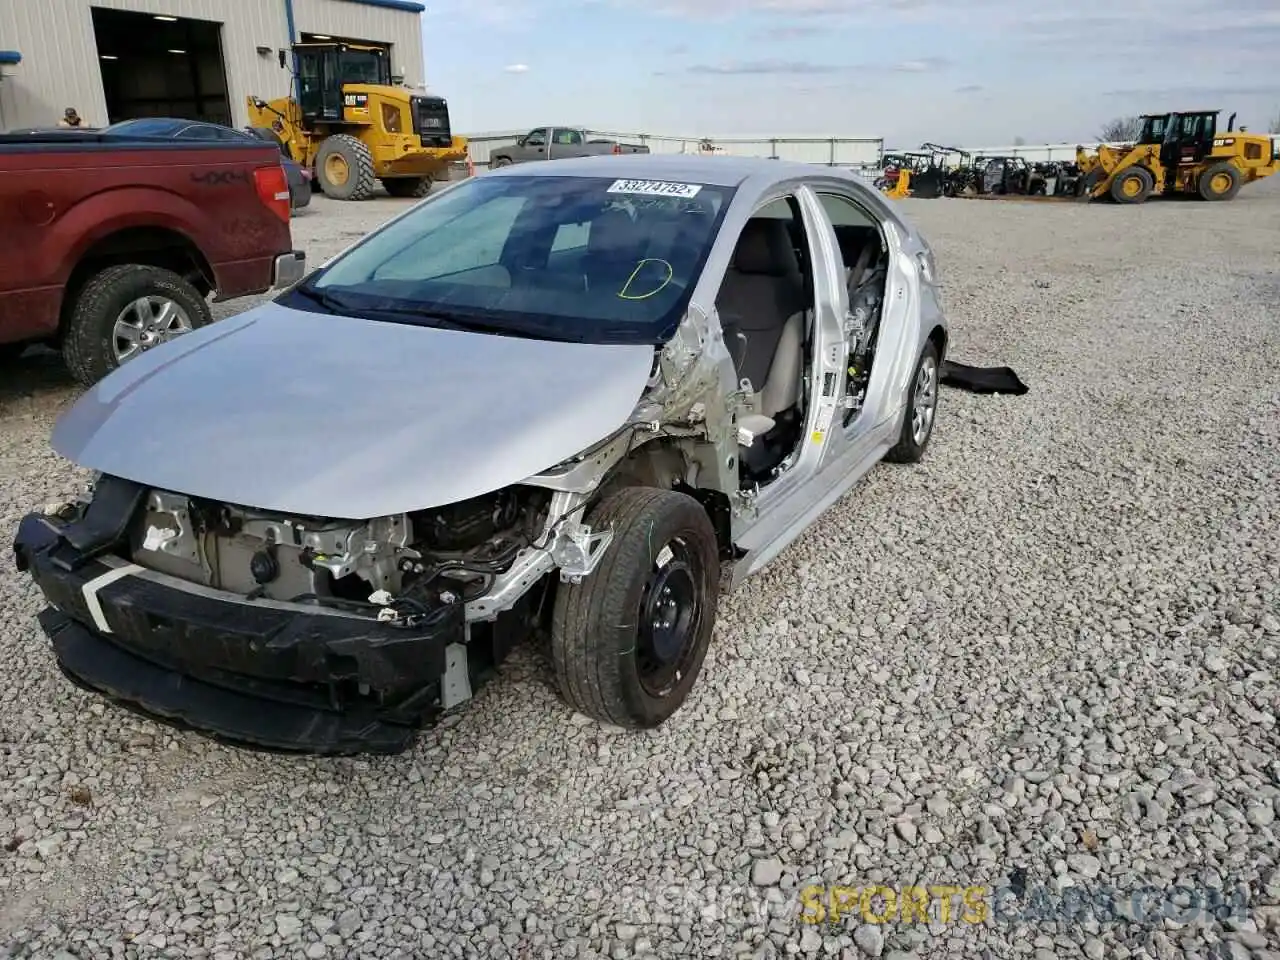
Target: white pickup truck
pixel 558 143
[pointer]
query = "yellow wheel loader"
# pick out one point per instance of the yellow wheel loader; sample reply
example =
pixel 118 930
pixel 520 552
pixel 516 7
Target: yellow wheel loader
pixel 353 127
pixel 1178 153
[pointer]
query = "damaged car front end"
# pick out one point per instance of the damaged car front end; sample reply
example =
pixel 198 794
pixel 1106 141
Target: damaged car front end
pixel 288 632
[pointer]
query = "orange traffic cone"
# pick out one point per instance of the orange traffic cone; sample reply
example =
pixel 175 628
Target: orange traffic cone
pixel 471 167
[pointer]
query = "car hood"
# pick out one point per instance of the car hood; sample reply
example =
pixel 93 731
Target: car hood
pixel 331 416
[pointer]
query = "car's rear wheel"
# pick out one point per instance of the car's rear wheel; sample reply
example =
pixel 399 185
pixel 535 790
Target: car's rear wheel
pixel 500 162
pixel 922 409
pixel 124 311
pixel 629 641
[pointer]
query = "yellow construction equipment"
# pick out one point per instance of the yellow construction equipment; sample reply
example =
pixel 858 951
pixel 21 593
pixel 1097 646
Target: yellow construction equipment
pixel 1178 153
pixel 353 127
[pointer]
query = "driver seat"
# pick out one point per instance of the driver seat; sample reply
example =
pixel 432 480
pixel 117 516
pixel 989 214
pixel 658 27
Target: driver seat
pixel 762 305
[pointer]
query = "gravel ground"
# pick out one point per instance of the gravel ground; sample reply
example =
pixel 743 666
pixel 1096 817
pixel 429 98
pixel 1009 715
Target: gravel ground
pixel 1046 658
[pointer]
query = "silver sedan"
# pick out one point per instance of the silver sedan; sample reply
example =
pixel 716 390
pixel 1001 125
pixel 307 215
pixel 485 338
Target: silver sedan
pixel 582 397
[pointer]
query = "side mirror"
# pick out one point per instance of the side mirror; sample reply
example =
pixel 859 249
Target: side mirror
pixel 521 141
pixel 284 58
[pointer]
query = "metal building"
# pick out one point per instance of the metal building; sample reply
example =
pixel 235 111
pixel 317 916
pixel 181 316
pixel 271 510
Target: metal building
pixel 117 59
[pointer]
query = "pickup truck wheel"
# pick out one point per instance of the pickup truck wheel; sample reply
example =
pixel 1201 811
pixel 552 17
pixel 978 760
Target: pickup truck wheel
pixel 124 311
pixel 500 162
pixel 922 410
pixel 628 642
pixel 344 168
pixel 407 186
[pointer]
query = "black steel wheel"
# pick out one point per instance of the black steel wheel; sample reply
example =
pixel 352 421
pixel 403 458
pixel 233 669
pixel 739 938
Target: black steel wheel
pixel 628 642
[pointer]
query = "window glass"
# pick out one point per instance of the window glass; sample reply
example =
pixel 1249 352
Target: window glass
pixel 628 258
pixel 843 212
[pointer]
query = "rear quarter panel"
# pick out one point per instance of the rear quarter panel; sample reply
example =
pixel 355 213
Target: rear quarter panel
pixel 57 202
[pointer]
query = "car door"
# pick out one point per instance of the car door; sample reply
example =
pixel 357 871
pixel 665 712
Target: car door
pixel 566 143
pixel 532 147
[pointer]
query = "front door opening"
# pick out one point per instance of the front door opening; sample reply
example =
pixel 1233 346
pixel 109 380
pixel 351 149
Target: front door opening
pixel 155 65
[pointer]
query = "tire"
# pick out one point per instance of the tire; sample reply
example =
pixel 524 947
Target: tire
pixel 93 332
pixel 1087 184
pixel 408 186
pixel 912 441
pixel 343 152
pixel 500 162
pixel 1219 182
pixel 1133 185
pixel 606 666
pixel 270 136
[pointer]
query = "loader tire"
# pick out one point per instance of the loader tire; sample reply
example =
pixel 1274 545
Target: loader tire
pixel 1219 182
pixel 344 168
pixel 416 187
pixel 1133 185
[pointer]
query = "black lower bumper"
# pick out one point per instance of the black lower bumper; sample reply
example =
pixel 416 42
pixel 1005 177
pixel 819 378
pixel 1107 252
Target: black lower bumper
pixel 250 672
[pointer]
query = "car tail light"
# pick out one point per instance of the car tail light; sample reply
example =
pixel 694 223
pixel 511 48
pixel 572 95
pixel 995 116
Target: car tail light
pixel 273 189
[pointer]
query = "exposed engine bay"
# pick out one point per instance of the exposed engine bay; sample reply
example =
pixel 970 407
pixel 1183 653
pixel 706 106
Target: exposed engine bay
pixel 419 560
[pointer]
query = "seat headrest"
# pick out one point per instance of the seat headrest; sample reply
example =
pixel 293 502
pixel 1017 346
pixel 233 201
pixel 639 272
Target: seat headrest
pixel 613 233
pixel 765 248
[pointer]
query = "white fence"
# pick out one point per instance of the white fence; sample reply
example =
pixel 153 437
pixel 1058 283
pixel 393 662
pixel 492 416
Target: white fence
pixel 863 154
pixel 832 151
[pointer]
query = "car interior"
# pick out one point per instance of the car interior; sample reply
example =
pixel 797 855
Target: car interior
pixel 766 309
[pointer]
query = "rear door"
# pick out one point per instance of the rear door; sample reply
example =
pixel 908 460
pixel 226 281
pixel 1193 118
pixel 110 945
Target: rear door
pixel 566 143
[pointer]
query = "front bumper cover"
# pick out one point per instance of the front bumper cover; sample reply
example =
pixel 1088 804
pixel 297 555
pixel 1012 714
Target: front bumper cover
pixel 256 673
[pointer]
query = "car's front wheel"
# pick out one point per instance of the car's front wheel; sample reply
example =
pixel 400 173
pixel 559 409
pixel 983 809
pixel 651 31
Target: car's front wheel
pixel 628 642
pixel 922 409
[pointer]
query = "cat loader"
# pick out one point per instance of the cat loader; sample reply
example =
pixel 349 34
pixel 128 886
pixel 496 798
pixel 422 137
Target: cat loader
pixel 1178 153
pixel 349 123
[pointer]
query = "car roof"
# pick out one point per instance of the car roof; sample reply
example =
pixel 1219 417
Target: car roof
pixel 715 170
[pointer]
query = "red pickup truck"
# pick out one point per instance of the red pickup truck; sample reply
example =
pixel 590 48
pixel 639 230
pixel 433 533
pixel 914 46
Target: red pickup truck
pixel 112 244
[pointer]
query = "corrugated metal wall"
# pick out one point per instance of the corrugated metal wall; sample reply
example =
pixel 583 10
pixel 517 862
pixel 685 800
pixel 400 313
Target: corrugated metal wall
pixel 60 66
pixel 338 18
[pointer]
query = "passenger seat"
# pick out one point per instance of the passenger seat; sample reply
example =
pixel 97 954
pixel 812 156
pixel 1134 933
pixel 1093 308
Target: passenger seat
pixel 762 304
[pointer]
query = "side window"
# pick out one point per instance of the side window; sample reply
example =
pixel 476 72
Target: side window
pixel 569 138
pixel 571 236
pixel 843 212
pixel 857 232
pixel 537 138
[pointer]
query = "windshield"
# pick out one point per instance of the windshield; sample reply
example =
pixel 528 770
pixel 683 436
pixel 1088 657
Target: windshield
pixel 365 66
pixel 591 259
pixel 144 127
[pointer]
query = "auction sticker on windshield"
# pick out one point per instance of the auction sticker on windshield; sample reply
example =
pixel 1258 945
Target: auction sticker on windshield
pixel 655 188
